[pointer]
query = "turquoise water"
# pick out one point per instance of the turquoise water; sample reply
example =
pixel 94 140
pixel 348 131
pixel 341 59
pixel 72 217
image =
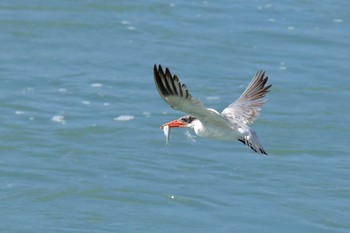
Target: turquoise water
pixel 81 149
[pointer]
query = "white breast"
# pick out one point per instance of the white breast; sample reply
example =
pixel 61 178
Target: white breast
pixel 214 131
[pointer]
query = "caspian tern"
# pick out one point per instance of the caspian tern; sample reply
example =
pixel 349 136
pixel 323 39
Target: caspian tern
pixel 233 123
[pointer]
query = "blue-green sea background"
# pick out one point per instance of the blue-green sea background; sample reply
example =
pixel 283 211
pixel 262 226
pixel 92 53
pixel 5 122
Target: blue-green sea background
pixel 80 144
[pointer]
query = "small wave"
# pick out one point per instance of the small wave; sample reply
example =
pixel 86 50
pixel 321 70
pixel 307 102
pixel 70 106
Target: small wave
pixel 146 114
pixel 59 119
pixel 124 118
pixel 19 113
pixel 283 66
pixel 125 22
pixel 337 20
pixel 213 98
pixel 96 84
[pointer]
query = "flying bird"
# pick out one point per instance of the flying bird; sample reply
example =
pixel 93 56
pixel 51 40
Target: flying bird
pixel 233 123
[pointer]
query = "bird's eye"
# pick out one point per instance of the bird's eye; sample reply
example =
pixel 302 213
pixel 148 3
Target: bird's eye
pixel 184 119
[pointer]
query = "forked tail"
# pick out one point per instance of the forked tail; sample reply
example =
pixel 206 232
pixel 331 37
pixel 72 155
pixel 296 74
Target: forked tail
pixel 253 142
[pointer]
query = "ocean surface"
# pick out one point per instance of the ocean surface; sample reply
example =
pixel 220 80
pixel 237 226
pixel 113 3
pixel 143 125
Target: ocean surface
pixel 80 144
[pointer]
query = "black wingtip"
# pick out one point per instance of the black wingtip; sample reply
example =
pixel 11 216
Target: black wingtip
pixel 261 150
pixel 265 78
pixel 160 69
pixel 267 88
pixel 158 73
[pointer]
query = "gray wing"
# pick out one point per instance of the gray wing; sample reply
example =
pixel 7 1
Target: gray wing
pixel 248 106
pixel 179 98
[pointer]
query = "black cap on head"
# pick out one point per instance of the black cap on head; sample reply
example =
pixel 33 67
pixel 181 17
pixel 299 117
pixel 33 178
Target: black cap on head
pixel 187 119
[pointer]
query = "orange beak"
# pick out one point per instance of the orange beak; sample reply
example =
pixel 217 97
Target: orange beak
pixel 173 124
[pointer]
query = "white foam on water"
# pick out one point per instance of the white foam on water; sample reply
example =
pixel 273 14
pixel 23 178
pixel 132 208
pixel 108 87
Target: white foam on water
pixel 59 119
pixel 62 90
pixel 128 25
pixel 266 6
pixel 106 104
pixel 85 102
pixel 19 113
pixel 338 20
pixel 283 66
pixel 96 84
pixel 125 22
pixel 213 98
pixel 146 114
pixel 124 118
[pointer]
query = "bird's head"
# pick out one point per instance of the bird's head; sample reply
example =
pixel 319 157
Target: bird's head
pixel 185 121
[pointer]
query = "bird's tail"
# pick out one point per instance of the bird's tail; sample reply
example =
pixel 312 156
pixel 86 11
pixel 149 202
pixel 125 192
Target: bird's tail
pixel 252 140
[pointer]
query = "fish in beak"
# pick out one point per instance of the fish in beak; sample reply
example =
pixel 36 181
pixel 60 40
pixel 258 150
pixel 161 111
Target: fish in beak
pixel 166 128
pixel 184 121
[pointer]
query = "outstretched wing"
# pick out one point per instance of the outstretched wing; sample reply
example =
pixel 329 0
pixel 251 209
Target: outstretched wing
pixel 179 98
pixel 248 106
